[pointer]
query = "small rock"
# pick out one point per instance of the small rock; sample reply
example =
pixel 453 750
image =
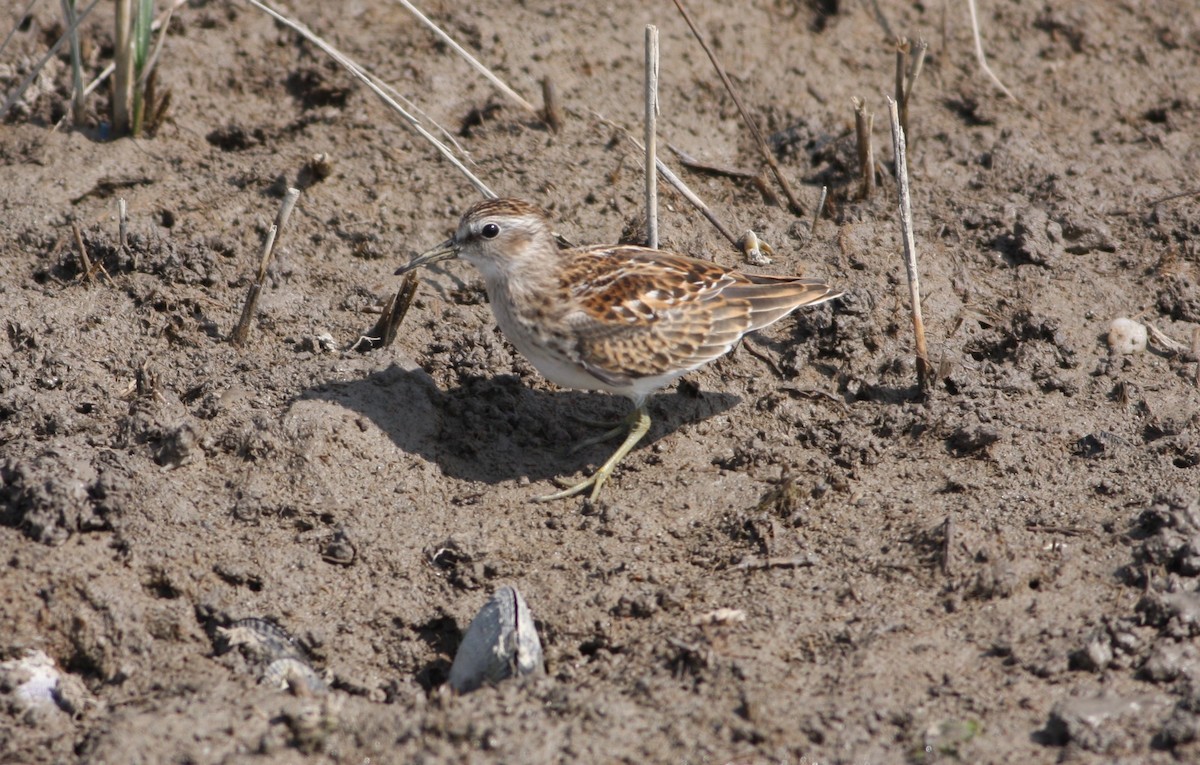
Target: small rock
pixel 971 439
pixel 1126 336
pixel 1039 240
pixel 1096 655
pixel 1170 660
pixel 1105 724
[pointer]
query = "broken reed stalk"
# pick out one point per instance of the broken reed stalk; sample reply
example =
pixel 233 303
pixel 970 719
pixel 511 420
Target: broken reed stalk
pixel 369 80
pixel 551 108
pixel 242 330
pixel 910 247
pixel 460 50
pixel 906 76
pixel 751 125
pixel 651 136
pixel 85 263
pixel 864 123
pixel 384 332
pixel 820 209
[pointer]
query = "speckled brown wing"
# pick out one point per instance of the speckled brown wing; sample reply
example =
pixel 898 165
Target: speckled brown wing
pixel 647 313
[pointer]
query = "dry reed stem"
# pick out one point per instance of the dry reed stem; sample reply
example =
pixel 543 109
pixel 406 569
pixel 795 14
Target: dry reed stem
pixel 651 176
pixel 123 73
pixel 461 51
pixel 371 82
pixel 751 125
pixel 864 123
pixel 924 378
pixel 242 330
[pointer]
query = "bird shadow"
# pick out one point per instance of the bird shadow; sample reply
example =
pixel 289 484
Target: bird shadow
pixel 494 429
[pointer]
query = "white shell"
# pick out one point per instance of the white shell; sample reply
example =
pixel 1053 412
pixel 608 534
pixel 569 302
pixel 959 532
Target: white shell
pixel 33 680
pixel 1126 336
pixel 500 643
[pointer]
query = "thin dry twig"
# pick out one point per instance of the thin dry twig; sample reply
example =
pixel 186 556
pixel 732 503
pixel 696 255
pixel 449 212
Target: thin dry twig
pixel 906 76
pixel 751 125
pixel 1167 343
pixel 37 68
pixel 1172 197
pixel 762 356
pixel 651 136
pixel 981 58
pixel 910 247
pixel 759 564
pixel 370 81
pixel 692 163
pixel 696 202
pixel 242 330
pixel 460 50
pixel 85 263
pixel 948 535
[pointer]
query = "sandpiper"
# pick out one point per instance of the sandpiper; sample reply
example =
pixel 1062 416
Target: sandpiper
pixel 617 318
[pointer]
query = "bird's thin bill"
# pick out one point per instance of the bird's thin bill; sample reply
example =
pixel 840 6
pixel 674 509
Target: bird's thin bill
pixel 443 251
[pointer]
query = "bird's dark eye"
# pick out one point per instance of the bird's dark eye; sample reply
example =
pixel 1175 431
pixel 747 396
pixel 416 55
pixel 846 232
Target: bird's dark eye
pixel 489 231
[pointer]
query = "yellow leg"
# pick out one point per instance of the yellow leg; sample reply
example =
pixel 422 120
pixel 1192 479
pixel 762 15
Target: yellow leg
pixel 613 431
pixel 638 423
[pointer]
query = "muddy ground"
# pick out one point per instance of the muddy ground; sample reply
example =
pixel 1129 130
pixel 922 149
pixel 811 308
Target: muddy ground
pixel 1003 570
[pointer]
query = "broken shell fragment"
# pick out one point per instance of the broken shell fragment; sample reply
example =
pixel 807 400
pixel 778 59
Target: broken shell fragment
pixel 500 643
pixel 1126 336
pixel 32 681
pixel 283 664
